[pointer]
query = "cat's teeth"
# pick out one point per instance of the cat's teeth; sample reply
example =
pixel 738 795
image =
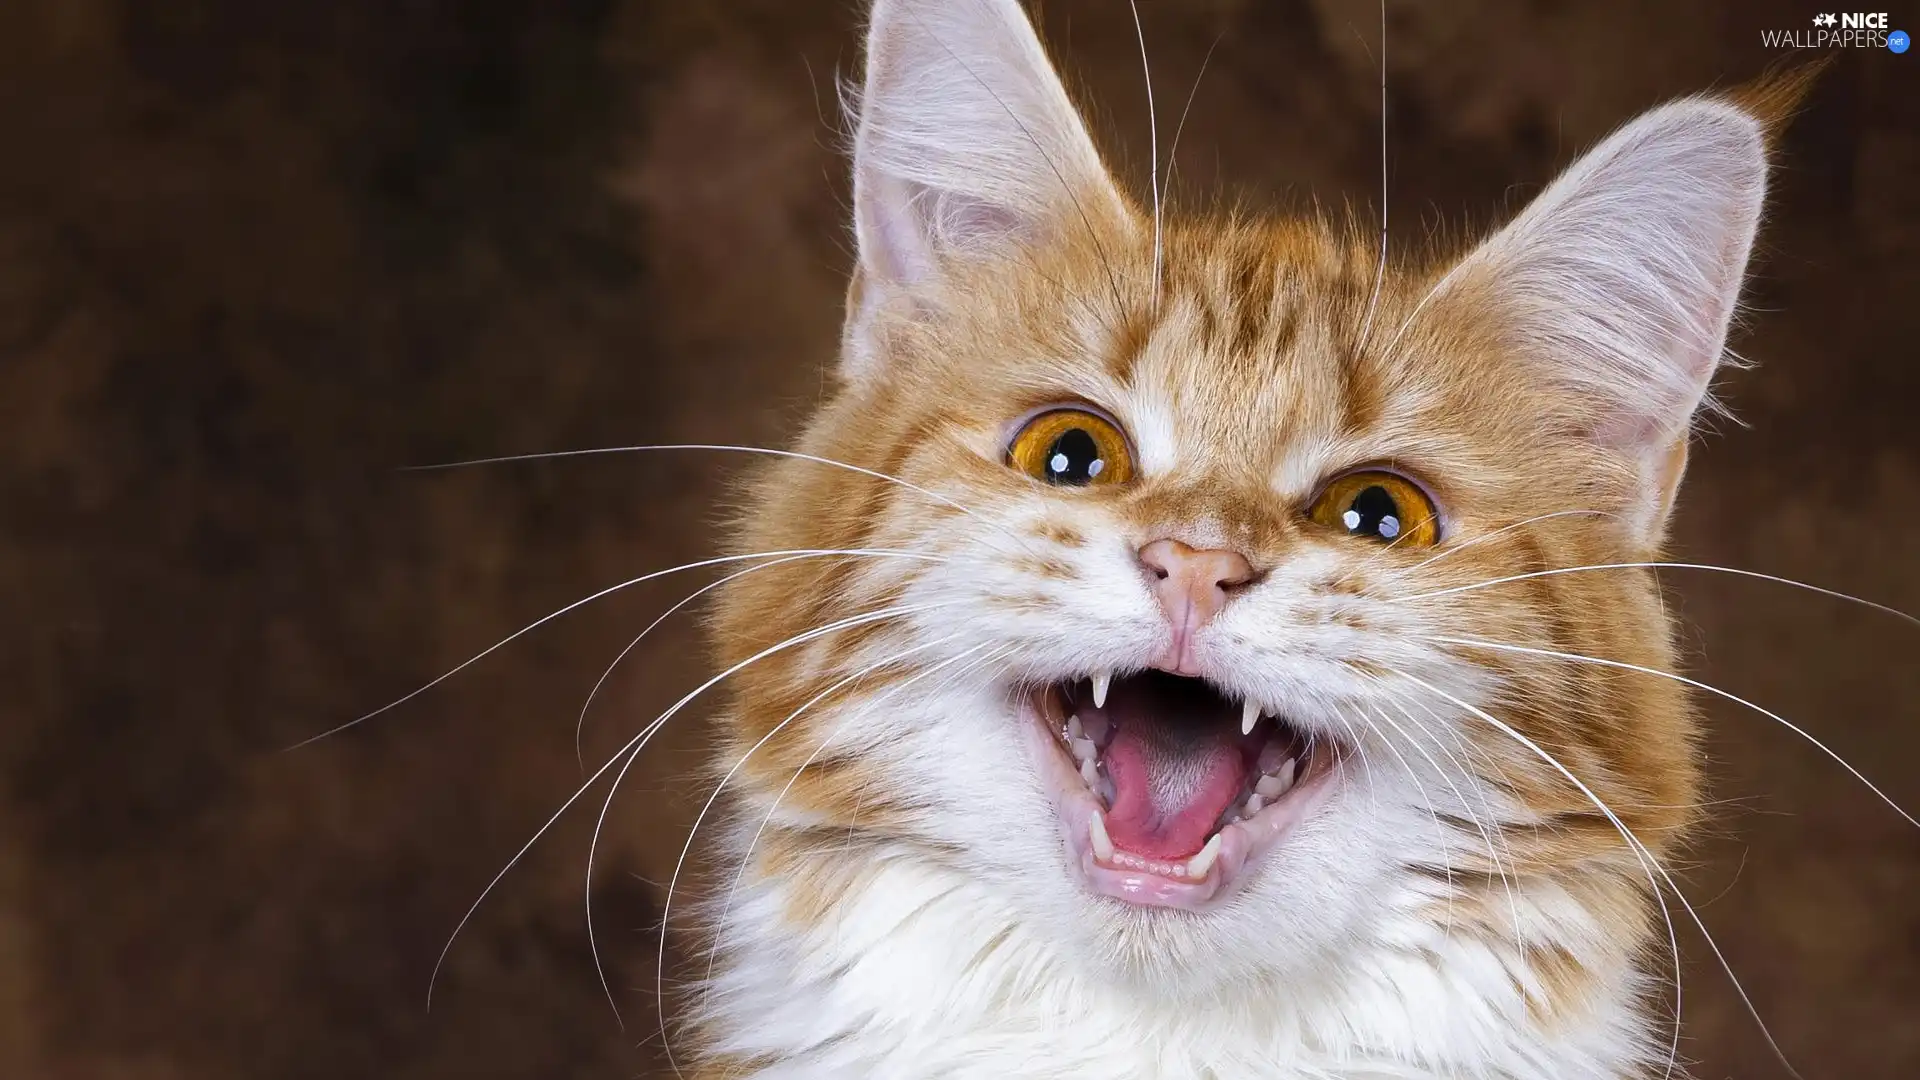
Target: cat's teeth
pixel 1089 773
pixel 1074 728
pixel 1286 775
pixel 1268 789
pixel 1203 862
pixel 1271 787
pixel 1100 683
pixel 1249 716
pixel 1082 749
pixel 1102 844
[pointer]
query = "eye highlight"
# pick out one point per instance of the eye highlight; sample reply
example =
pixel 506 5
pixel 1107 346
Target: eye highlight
pixel 1072 448
pixel 1378 505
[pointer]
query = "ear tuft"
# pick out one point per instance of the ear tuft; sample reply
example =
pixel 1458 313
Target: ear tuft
pixel 1775 99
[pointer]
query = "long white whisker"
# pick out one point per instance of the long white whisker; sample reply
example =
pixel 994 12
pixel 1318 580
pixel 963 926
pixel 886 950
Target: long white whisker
pixel 1173 151
pixel 1503 530
pixel 633 747
pixel 580 723
pixel 746 858
pixel 717 447
pixel 1696 684
pixel 976 662
pixel 1380 552
pixel 1153 137
pixel 1673 1050
pixel 1485 834
pixel 608 591
pixel 1380 269
pixel 1421 306
pixel 613 789
pixel 679 866
pixel 1836 594
pixel 1354 740
pixel 1647 860
pixel 1432 811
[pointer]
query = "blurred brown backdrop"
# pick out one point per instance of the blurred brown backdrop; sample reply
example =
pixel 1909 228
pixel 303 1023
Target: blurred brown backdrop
pixel 255 256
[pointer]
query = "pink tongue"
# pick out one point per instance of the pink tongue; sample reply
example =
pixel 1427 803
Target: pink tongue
pixel 1167 791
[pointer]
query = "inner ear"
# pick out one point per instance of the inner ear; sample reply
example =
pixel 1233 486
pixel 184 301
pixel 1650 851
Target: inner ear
pixel 1615 288
pixel 966 148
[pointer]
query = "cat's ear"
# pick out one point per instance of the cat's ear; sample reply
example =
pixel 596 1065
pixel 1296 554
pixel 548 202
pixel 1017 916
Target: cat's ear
pixel 966 145
pixel 1617 284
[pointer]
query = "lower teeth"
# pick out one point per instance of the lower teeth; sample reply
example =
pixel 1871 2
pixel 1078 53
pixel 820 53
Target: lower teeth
pixel 1267 790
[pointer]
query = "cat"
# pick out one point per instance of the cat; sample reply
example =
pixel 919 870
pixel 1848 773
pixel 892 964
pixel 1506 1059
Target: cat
pixel 1174 667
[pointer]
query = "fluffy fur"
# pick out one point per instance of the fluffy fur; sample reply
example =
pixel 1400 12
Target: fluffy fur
pixel 1459 907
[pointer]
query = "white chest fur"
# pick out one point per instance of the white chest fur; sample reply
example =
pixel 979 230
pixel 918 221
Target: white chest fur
pixel 918 972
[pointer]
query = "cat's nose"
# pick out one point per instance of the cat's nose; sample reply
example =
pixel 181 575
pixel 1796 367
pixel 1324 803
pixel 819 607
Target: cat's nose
pixel 1192 586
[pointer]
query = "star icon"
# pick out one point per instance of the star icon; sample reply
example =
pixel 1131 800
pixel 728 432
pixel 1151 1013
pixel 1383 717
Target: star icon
pixel 1824 20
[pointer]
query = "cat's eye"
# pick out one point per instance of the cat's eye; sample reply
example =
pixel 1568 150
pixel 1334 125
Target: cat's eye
pixel 1378 505
pixel 1072 448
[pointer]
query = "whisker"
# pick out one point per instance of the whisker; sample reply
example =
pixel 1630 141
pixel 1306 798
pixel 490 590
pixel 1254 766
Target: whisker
pixel 1153 138
pixel 679 866
pixel 1421 306
pixel 593 844
pixel 608 591
pixel 740 873
pixel 1173 152
pixel 746 858
pixel 1696 684
pixel 1380 267
pixel 580 723
pixel 1647 860
pixel 793 455
pixel 1432 811
pixel 1503 530
pixel 1485 833
pixel 1354 740
pixel 1507 878
pixel 1380 551
pixel 632 749
pixel 1736 571
pixel 716 447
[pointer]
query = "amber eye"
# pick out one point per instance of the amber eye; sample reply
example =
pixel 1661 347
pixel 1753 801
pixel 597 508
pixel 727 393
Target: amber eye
pixel 1073 448
pixel 1380 506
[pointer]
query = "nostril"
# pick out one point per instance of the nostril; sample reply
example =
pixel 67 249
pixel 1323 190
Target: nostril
pixel 1219 572
pixel 1234 581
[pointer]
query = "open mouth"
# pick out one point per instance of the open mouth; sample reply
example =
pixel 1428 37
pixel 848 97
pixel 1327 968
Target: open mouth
pixel 1166 788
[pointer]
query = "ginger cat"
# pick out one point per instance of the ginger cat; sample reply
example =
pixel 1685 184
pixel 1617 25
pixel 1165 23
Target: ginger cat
pixel 1189 684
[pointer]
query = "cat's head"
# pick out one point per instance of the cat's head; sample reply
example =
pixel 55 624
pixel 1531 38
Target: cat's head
pixel 1211 604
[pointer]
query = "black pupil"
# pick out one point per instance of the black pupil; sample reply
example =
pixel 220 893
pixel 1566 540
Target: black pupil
pixel 1074 458
pixel 1373 513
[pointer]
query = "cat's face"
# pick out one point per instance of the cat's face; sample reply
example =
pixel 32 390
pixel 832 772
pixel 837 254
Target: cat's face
pixel 1223 641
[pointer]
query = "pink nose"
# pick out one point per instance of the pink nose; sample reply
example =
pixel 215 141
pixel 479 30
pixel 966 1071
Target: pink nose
pixel 1192 586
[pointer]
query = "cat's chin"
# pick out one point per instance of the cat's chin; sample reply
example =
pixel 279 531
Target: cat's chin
pixel 1165 797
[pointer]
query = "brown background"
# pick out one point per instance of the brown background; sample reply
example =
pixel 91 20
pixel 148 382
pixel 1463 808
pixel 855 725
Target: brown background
pixel 254 256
